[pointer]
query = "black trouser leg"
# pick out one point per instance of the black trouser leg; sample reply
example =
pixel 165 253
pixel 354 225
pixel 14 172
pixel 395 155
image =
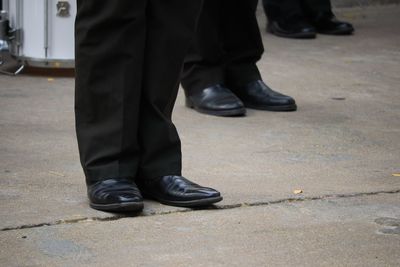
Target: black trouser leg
pixel 110 44
pixel 284 9
pixel 202 67
pixel 242 41
pixel 124 97
pixel 168 40
pixel 277 10
pixel 226 47
pixel 314 8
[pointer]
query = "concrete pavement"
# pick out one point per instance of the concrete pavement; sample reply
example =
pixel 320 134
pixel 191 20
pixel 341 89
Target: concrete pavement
pixel 362 231
pixel 341 146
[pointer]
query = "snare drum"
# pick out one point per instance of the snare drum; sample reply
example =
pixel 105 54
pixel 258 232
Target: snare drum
pixel 42 32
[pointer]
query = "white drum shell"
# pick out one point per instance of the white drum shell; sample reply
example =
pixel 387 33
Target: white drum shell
pixel 47 40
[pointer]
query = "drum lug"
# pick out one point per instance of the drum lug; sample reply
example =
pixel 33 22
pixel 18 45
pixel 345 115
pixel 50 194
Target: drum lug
pixel 15 36
pixel 4 26
pixel 63 8
pixel 6 33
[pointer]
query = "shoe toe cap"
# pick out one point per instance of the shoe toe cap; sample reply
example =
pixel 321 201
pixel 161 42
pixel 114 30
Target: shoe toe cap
pixel 127 197
pixel 344 26
pixel 306 30
pixel 204 192
pixel 278 100
pixel 114 191
pixel 227 106
pixel 223 103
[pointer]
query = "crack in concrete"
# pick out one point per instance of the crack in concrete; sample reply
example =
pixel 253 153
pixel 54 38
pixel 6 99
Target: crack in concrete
pixel 116 217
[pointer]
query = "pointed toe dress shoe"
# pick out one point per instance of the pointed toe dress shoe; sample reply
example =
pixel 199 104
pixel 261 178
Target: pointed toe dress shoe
pixel 216 100
pixel 329 24
pixel 115 195
pixel 292 28
pixel 178 191
pixel 257 95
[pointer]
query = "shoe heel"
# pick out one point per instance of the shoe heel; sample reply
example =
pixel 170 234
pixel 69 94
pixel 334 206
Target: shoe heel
pixel 188 102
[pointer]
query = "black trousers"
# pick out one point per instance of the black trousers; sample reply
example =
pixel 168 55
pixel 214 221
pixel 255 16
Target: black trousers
pixel 129 56
pixel 283 9
pixel 226 47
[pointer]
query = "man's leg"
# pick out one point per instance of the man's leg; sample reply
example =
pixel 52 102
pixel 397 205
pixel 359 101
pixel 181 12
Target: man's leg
pixel 312 7
pixel 168 38
pixel 110 44
pixel 170 28
pixel 126 88
pixel 281 9
pixel 242 42
pixel 319 13
pixel 286 18
pixel 202 67
pixel 243 48
pixel 203 75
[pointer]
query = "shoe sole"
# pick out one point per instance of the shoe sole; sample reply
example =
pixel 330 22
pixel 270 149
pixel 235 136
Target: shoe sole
pixel 338 32
pixel 222 113
pixel 272 108
pixel 294 36
pixel 118 207
pixel 186 204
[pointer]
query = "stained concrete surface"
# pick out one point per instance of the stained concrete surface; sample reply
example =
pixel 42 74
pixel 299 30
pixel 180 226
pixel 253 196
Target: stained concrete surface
pixel 359 231
pixel 361 3
pixel 344 139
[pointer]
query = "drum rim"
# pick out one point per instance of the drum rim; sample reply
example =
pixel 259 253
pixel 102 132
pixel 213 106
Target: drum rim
pixel 46 62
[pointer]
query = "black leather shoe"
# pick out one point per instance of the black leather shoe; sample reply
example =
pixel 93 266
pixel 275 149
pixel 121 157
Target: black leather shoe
pixel 115 195
pixel 295 27
pixel 258 95
pixel 216 100
pixel 178 191
pixel 328 24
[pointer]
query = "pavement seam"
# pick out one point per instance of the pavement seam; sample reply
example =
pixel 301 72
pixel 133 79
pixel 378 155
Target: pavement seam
pixel 219 207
